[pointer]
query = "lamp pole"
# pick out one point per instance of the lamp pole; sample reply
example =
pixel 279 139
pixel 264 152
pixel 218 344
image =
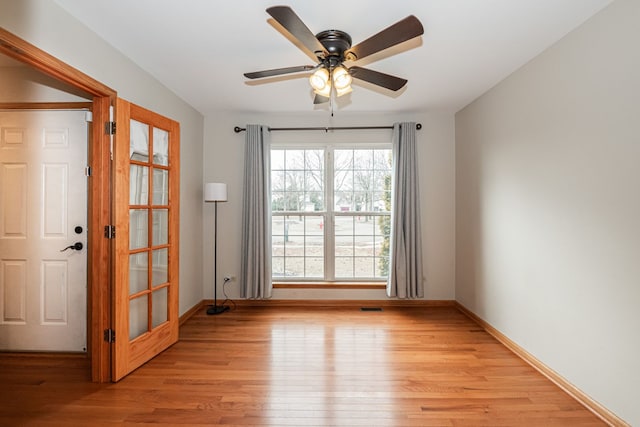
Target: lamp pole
pixel 216 192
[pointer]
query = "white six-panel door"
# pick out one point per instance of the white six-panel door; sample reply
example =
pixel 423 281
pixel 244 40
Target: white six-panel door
pixel 43 209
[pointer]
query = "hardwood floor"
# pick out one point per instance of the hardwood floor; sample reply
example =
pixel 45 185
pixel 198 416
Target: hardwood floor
pixel 305 366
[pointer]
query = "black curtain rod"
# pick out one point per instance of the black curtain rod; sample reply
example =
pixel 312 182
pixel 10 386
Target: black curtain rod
pixel 238 129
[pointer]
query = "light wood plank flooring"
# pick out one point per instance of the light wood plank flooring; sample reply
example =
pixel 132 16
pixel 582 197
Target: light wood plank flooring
pixel 305 366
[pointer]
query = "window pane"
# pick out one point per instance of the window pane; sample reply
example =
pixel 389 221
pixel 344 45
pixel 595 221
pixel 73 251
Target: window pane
pixel 314 160
pixel 277 266
pixel 138 320
pixel 277 246
pixel 344 246
pixel 343 201
pixel 314 225
pixel 382 159
pixel 362 159
pixel 344 226
pixel 364 267
pixel 343 159
pixel 277 225
pixel 314 267
pixel 138 228
pixel 382 267
pixel 315 201
pixel 160 267
pixel 361 201
pixel 160 187
pixel 313 180
pixel 138 185
pixel 277 201
pixel 363 180
pixel 363 245
pixel 277 160
pixel 294 180
pixel 294 159
pixel 294 201
pixel 294 266
pixel 138 141
pixel 160 147
pixel 314 246
pixel 138 272
pixel 159 302
pixel 344 267
pixel 382 245
pixel 277 180
pixel 160 227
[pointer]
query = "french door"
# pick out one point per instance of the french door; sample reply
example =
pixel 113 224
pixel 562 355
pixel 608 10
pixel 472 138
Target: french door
pixel 147 159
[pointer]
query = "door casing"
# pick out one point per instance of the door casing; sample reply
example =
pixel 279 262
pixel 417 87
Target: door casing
pixel 99 194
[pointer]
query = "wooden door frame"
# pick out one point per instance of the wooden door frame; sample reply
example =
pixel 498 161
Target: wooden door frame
pixel 99 255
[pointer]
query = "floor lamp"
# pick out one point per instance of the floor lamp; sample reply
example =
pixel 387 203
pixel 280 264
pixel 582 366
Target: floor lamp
pixel 215 192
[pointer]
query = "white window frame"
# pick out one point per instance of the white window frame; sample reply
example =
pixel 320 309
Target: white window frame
pixel 329 214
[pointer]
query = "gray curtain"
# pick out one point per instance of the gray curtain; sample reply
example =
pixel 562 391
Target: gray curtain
pixel 255 274
pixel 405 255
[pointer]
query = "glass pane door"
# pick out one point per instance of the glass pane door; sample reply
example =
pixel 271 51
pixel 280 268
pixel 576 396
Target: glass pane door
pixel 148 227
pixel 147 208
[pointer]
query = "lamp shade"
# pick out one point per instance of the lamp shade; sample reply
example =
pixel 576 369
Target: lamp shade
pixel 320 79
pixel 341 78
pixel 215 192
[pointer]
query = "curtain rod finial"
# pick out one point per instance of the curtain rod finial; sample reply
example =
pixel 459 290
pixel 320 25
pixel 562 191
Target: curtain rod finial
pixel 238 129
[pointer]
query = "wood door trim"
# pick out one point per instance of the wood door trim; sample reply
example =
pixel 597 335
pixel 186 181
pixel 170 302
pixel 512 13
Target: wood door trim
pixel 23 51
pixel 46 105
pixel 99 205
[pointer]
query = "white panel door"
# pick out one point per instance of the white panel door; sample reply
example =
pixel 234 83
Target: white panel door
pixel 43 209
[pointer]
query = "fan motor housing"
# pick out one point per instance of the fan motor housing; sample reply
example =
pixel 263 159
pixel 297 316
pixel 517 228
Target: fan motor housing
pixel 335 41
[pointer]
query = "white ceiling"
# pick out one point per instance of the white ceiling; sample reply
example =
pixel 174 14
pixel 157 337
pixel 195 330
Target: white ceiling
pixel 201 48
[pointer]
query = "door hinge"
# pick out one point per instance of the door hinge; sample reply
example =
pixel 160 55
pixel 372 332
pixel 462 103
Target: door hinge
pixel 87 171
pixel 110 128
pixel 110 336
pixel 110 231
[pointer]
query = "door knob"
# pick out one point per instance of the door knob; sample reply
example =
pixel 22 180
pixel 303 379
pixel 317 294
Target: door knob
pixel 77 246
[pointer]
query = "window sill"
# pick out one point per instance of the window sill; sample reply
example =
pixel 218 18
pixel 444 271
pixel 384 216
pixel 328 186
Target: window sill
pixel 329 285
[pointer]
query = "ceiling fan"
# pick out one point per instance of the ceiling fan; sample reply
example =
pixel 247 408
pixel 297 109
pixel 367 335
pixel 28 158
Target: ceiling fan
pixel 332 49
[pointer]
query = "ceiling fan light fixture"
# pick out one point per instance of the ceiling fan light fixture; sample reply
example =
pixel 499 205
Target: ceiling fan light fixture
pixel 320 80
pixel 326 91
pixel 341 78
pixel 330 77
pixel 346 90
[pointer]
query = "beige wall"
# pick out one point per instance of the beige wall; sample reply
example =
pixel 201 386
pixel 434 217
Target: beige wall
pixel 223 157
pixel 25 84
pixel 50 28
pixel 548 207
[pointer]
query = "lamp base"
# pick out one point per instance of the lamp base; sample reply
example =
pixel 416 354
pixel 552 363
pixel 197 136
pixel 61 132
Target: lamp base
pixel 217 309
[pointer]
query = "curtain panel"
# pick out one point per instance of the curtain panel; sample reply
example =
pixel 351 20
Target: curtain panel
pixel 405 255
pixel 255 274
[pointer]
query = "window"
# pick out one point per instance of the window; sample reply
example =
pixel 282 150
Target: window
pixel 330 213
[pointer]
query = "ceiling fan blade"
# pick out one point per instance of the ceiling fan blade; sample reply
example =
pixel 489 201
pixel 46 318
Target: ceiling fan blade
pixel 278 71
pixel 292 23
pixel 377 78
pixel 399 32
pixel 319 99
